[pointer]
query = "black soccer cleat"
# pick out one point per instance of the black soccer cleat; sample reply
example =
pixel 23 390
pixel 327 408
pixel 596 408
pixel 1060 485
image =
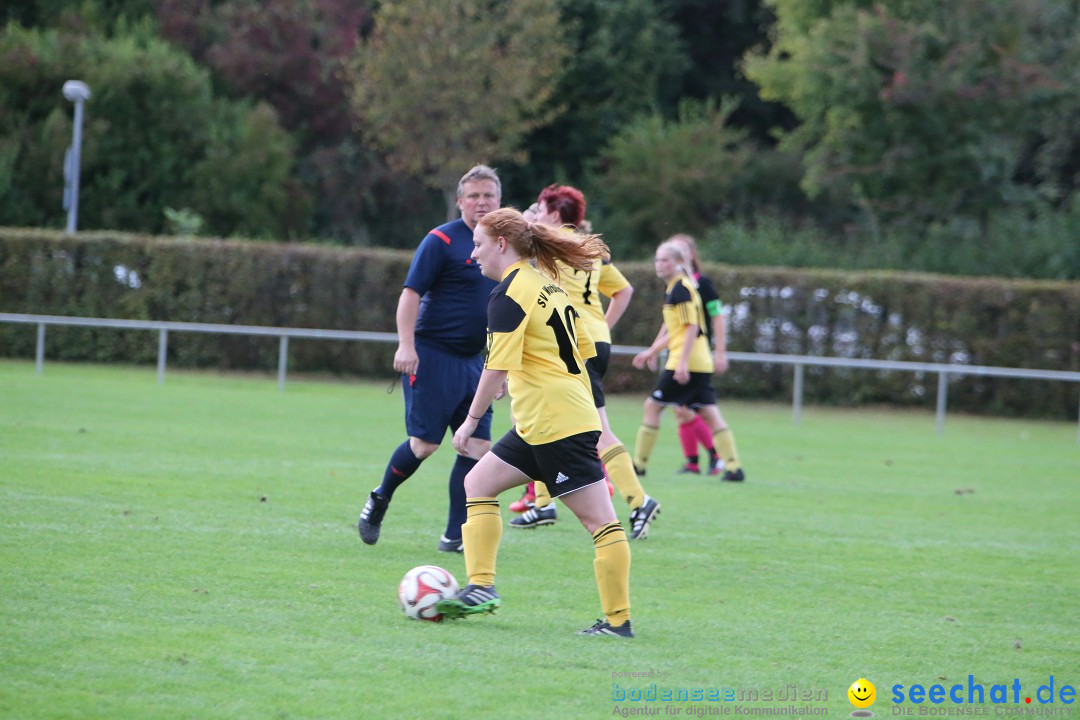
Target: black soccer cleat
pixel 639 471
pixel 534 517
pixel 371 518
pixel 473 600
pixel 448 545
pixel 734 475
pixel 603 627
pixel 642 518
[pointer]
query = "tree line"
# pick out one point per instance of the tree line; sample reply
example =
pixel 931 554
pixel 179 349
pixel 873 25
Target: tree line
pixel 842 133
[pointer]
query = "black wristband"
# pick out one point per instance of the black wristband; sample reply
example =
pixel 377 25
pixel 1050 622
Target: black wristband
pixel 473 416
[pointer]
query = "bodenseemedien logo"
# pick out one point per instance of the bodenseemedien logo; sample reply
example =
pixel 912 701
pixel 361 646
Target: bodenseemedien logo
pixel 862 694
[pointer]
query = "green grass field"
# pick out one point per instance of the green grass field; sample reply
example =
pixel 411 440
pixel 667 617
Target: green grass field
pixel 188 550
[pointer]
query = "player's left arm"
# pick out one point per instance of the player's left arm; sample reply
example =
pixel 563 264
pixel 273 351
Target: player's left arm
pixel 614 285
pixel 585 345
pixel 617 306
pixel 719 325
pixel 491 381
pixel 682 370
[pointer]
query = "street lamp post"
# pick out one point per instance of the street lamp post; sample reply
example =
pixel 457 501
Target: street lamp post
pixel 77 92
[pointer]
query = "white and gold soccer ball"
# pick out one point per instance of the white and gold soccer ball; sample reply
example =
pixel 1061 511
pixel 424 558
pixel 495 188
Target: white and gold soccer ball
pixel 421 588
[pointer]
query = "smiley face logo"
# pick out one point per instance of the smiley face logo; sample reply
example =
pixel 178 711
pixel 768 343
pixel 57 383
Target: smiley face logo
pixel 862 693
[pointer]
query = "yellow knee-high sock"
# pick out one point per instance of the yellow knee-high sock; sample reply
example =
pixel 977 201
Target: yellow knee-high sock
pixel 612 568
pixel 620 468
pixel 480 536
pixel 725 447
pixel 643 446
pixel 543 497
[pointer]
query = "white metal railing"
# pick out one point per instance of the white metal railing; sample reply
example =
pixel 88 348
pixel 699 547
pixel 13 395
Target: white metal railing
pixel 799 362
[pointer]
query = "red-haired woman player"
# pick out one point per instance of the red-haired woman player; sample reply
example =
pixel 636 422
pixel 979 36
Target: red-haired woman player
pixel 536 345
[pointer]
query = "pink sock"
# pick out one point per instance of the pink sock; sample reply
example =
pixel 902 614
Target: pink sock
pixel 702 433
pixel 531 489
pixel 688 438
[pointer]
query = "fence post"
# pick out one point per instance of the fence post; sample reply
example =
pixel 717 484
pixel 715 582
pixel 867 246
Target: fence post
pixel 162 349
pixel 39 351
pixel 796 401
pixel 942 389
pixel 283 361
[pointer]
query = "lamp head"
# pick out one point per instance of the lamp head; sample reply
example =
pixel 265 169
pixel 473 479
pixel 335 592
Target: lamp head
pixel 76 90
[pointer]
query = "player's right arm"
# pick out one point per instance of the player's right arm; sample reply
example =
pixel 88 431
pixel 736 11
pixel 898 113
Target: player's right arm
pixel 682 370
pixel 405 359
pixel 426 266
pixel 647 357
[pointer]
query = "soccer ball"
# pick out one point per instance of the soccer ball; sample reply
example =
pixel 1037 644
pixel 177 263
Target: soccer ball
pixel 421 588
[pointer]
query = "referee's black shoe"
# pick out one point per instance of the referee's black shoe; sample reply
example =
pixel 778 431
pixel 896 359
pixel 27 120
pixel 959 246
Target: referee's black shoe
pixel 448 545
pixel 371 518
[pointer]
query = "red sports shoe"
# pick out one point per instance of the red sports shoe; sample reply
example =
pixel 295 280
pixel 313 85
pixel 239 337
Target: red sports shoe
pixel 526 501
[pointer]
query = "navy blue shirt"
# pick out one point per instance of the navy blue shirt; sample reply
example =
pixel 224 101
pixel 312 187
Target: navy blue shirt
pixel 453 293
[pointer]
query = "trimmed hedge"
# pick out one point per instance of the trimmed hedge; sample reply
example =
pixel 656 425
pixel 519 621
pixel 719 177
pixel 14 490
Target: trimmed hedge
pixel 881 315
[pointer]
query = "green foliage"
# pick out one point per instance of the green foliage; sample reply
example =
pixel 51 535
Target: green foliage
pixel 913 135
pixel 99 16
pixel 1019 243
pixel 926 111
pixel 154 136
pixel 658 177
pixel 887 316
pixel 242 184
pixel 292 56
pixel 360 201
pixel 894 316
pixel 716 36
pixel 111 275
pixel 442 86
pixel 625 61
pixel 184 222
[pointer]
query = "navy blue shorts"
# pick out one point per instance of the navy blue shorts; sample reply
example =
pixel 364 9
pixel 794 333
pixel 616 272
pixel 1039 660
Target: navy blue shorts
pixel 438 396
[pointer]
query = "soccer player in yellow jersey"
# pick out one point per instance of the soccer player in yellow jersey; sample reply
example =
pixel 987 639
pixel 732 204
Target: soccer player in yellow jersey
pixel 563 205
pixel 723 457
pixel 687 377
pixel 536 344
pixel 692 428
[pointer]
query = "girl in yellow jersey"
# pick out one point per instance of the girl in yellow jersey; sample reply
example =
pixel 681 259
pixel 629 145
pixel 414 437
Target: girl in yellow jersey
pixel 563 205
pixel 536 345
pixel 687 377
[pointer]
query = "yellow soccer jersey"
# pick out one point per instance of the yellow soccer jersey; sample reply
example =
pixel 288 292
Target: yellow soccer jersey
pixel 533 334
pixel 682 307
pixel 585 289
